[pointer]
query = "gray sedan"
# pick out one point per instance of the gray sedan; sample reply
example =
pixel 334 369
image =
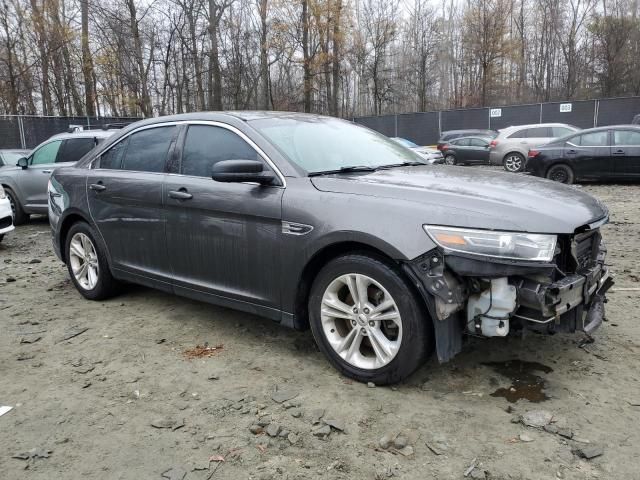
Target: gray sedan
pixel 318 222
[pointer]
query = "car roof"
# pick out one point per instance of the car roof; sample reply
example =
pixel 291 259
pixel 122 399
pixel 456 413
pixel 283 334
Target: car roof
pixel 82 134
pixel 470 130
pixel 534 125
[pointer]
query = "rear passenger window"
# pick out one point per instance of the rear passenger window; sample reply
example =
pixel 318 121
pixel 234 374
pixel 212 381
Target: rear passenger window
pixel 520 133
pixel 538 132
pixel 626 138
pixel 206 145
pixel 112 158
pixel 594 139
pixel 147 149
pixel 463 142
pixel 75 148
pixel 476 142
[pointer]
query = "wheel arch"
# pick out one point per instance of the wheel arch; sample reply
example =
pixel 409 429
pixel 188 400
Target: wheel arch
pixel 321 258
pixel 65 225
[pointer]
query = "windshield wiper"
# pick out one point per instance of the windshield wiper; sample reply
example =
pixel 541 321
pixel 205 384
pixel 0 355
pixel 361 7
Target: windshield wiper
pixel 403 164
pixel 352 168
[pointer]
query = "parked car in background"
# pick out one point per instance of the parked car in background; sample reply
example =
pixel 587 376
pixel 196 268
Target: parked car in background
pixel 604 153
pixel 446 137
pixel 467 150
pixel 26 184
pixel 512 144
pixel 430 155
pixel 6 215
pixel 9 158
pixel 318 222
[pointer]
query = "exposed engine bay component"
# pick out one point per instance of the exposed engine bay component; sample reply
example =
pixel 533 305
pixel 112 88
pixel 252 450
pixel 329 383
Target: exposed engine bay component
pixel 488 312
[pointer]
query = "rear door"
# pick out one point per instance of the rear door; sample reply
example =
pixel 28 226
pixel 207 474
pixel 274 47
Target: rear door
pixel 478 150
pixel 125 192
pixel 589 154
pixel 537 136
pixel 625 150
pixel 32 181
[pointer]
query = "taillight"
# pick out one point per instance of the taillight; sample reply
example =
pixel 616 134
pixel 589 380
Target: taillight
pixel 439 146
pixel 533 153
pixel 444 148
pixel 493 144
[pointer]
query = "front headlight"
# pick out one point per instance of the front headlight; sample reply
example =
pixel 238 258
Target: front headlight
pixel 509 245
pixel 2 194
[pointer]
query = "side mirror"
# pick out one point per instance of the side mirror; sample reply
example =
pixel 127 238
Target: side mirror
pixel 23 162
pixel 238 171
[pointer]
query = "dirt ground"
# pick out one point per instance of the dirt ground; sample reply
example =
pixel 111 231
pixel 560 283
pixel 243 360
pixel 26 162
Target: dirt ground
pixel 110 390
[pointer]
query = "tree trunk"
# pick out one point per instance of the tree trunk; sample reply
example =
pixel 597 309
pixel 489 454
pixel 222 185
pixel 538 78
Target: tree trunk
pixel 145 100
pixel 335 68
pixel 264 60
pixel 87 61
pixel 215 75
pixel 306 60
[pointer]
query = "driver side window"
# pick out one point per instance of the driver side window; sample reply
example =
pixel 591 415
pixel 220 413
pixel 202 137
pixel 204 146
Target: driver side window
pixel 46 154
pixel 206 145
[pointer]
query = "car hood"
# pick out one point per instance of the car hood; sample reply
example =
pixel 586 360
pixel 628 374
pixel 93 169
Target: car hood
pixel 467 197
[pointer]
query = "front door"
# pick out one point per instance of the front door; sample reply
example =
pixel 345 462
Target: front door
pixel 625 152
pixel 222 238
pixel 126 203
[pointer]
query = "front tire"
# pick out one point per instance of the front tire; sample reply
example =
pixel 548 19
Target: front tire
pixel 367 320
pixel 450 160
pixel 19 216
pixel 513 162
pixel 87 263
pixel 561 173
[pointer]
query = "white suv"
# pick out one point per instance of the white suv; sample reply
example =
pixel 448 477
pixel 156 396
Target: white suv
pixel 511 146
pixel 6 215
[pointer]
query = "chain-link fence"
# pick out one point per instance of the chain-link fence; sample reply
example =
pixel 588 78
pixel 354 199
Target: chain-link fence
pixel 425 128
pixel 26 131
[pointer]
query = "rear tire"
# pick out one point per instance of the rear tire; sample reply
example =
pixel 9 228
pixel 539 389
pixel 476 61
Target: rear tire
pixel 1 237
pixel 19 216
pixel 348 331
pixel 513 162
pixel 561 173
pixel 450 160
pixel 87 263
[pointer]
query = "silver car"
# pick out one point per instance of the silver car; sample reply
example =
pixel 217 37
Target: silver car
pixel 25 184
pixel 430 155
pixel 511 146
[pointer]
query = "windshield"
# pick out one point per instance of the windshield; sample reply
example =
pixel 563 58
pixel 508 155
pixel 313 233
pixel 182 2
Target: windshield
pixel 319 144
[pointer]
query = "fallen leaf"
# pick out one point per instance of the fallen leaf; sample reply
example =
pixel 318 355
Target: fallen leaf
pixel 216 458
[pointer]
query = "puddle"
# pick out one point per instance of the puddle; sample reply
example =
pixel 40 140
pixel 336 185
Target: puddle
pixel 524 382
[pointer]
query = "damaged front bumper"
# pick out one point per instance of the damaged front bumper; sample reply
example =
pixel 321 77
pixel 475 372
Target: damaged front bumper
pixel 494 297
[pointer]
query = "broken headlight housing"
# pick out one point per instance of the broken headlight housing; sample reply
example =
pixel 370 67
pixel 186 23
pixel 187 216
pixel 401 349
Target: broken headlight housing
pixel 492 243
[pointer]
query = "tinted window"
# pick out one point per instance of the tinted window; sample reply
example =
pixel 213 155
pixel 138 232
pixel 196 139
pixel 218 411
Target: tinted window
pixel 560 131
pixel 46 154
pixel 538 132
pixel 147 150
pixel 112 158
pixel 593 139
pixel 626 137
pixel 205 146
pixel 74 149
pixel 520 133
pixel 476 142
pixel 463 142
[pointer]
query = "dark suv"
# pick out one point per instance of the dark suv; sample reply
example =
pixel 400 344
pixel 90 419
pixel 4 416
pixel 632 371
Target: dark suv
pixel 318 222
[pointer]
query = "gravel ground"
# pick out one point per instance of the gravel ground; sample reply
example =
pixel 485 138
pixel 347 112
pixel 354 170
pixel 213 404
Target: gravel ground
pixel 116 390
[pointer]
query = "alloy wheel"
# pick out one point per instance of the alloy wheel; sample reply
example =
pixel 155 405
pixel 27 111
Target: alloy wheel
pixel 450 160
pixel 513 163
pixel 361 321
pixel 83 259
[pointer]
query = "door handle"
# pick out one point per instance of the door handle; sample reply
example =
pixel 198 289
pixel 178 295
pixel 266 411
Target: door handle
pixel 181 194
pixel 97 187
pixel 46 171
pixel 618 152
pixel 572 151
